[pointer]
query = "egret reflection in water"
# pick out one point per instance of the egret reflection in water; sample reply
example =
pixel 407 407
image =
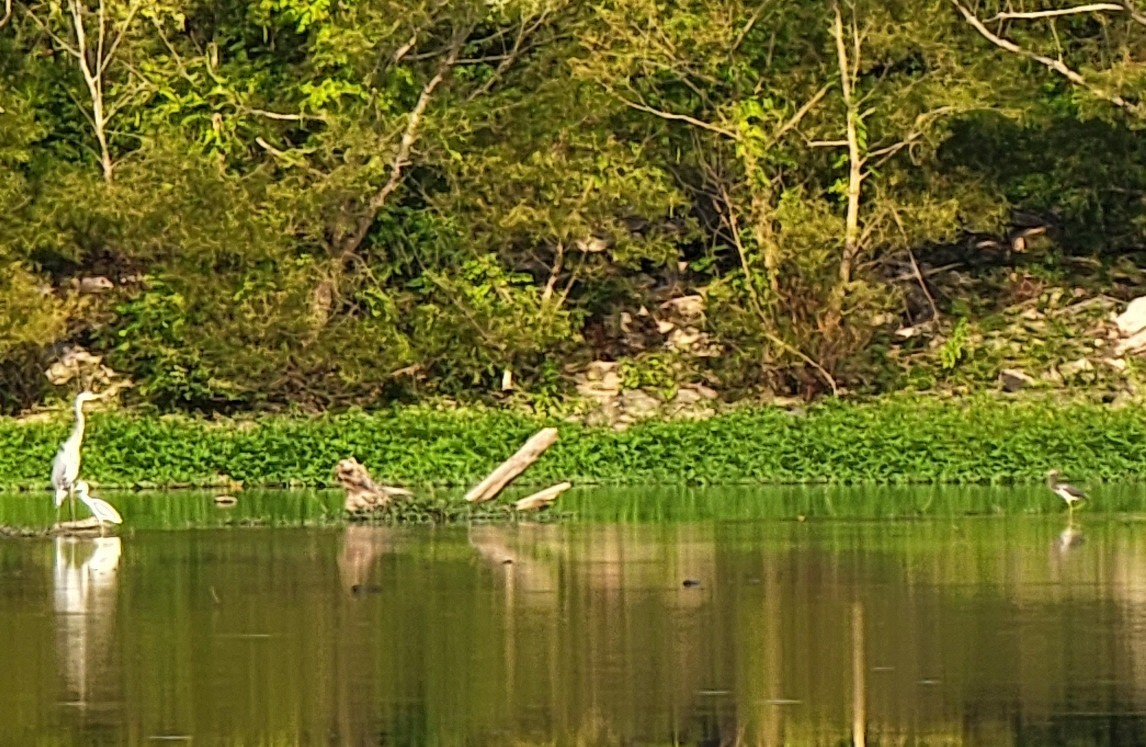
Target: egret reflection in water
pixel 84 601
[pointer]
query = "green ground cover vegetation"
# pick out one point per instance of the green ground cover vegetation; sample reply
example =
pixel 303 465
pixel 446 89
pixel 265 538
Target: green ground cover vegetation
pixel 901 439
pixel 257 206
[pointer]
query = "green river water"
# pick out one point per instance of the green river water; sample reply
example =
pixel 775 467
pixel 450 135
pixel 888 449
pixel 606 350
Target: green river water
pixel 706 617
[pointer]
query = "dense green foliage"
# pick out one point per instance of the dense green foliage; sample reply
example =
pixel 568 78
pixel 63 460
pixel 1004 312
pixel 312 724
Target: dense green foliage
pixel 332 204
pixel 891 441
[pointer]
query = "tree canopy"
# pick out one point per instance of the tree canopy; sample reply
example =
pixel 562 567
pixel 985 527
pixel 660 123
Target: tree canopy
pixel 349 202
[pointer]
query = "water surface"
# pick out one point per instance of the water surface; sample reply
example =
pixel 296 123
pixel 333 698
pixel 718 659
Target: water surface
pixel 984 630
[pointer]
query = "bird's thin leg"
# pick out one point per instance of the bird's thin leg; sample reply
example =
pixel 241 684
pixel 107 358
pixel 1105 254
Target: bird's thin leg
pixel 72 505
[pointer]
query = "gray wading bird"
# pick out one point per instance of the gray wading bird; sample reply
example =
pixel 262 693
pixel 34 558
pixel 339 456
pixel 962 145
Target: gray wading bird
pixel 66 465
pixel 101 509
pixel 1069 493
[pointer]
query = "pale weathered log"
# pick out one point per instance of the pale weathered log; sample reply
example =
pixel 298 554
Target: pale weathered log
pixel 496 481
pixel 362 493
pixel 89 525
pixel 542 498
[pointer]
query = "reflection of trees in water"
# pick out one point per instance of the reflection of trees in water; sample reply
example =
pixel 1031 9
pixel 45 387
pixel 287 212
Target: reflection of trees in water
pixel 874 633
pixel 84 600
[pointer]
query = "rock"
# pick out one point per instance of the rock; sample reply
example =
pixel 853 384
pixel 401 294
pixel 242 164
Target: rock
pixel 686 396
pixel 687 307
pixel 704 391
pixel 76 363
pixel 638 404
pixel 1013 379
pixel 1132 320
pixel 1118 364
pixel 689 395
pixel 665 327
pixel 96 284
pixel 1076 367
pixel 906 333
pixel 683 338
pixel 1123 399
pixel 597 369
pixel 591 245
pixel 1136 343
pixel 601 380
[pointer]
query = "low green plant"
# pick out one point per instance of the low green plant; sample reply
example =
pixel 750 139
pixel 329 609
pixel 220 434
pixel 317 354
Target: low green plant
pixel 891 440
pixel 658 373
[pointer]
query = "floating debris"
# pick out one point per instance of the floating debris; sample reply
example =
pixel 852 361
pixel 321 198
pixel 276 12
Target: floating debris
pixel 362 492
pixel 542 498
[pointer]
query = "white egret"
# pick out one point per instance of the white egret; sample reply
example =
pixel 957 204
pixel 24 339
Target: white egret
pixel 101 509
pixel 1064 490
pixel 66 465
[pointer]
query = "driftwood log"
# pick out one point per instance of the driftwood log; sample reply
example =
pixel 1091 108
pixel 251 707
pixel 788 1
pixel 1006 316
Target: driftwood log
pixel 495 482
pixel 362 493
pixel 542 498
pixel 88 526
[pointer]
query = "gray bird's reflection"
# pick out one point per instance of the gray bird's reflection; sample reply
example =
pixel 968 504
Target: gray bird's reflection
pixel 1070 538
pixel 84 600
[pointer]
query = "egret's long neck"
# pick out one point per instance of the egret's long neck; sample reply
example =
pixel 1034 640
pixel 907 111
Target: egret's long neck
pixel 78 428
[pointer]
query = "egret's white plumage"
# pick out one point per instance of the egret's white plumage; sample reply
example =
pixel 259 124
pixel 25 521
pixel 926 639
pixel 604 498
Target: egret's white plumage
pixel 101 509
pixel 66 465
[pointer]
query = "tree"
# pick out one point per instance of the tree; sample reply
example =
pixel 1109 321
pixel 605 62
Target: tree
pixel 761 107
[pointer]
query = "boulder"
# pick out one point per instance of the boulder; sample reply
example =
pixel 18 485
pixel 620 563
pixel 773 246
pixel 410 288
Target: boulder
pixel 1132 320
pixel 1073 368
pixel 639 404
pixel 1135 343
pixel 1013 379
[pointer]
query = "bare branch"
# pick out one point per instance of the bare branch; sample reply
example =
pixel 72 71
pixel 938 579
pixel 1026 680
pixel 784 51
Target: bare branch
pixel 277 115
pixel 1138 17
pixel 512 56
pixel 555 272
pixel 673 116
pixel 795 119
pixel 1057 66
pixel 1033 14
pixel 102 30
pixel 56 38
pixel 855 158
pixel 747 28
pixel 94 82
pixel 402 155
pixel 404 50
pixel 103 62
pixel 7 13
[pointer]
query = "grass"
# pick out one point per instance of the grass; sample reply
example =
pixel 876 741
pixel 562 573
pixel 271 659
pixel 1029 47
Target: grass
pixel 195 509
pixel 893 440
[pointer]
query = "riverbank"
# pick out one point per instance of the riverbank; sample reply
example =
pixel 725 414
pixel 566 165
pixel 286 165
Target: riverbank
pixel 902 439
